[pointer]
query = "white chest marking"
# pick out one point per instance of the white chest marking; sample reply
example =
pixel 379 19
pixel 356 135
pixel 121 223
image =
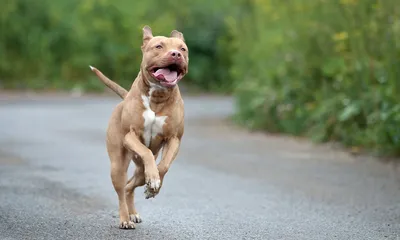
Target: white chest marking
pixel 153 125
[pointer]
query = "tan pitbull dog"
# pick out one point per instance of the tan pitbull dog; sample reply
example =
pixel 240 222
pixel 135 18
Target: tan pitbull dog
pixel 150 117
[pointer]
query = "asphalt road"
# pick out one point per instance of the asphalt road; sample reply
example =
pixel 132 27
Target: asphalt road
pixel 227 183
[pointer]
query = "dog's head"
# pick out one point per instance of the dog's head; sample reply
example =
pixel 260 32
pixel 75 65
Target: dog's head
pixel 165 59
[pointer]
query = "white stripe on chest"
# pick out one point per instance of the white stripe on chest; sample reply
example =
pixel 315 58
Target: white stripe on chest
pixel 153 125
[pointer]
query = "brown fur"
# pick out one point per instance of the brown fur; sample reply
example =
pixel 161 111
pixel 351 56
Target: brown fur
pixel 125 133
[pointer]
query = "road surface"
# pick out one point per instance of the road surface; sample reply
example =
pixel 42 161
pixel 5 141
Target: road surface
pixel 227 183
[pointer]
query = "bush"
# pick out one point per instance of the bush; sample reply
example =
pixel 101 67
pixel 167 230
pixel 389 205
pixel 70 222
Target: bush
pixel 322 68
pixel 49 44
pixel 327 69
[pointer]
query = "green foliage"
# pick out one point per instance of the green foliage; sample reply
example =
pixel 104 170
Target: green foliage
pixel 328 69
pixel 323 68
pixel 49 44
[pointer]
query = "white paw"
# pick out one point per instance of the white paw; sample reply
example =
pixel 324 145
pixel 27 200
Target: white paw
pixel 149 194
pixel 152 188
pixel 154 184
pixel 135 218
pixel 127 225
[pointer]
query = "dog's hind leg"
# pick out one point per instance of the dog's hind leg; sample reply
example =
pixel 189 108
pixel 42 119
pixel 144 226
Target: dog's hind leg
pixel 136 180
pixel 119 165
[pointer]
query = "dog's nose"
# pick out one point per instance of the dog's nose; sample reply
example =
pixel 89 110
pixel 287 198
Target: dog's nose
pixel 175 54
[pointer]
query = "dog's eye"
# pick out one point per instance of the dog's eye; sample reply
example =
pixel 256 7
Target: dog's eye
pixel 158 46
pixel 183 49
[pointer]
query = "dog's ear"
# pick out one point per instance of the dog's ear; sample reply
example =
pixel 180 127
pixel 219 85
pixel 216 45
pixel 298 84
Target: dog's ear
pixel 177 34
pixel 147 35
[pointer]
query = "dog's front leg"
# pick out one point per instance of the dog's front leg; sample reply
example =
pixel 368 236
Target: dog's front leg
pixel 170 150
pixel 152 177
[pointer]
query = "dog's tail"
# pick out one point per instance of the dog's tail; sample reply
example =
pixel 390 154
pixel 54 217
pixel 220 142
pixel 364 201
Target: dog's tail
pixel 122 92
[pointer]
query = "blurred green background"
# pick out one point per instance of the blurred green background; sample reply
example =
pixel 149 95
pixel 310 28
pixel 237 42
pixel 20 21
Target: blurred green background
pixel 326 69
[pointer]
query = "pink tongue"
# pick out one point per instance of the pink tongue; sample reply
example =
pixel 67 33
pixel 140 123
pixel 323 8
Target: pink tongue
pixel 169 76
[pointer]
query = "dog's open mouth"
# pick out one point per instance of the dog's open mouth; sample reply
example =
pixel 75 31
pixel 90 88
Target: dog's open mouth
pixel 168 75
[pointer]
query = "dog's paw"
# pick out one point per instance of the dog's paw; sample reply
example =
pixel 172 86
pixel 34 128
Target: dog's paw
pixel 148 193
pixel 153 183
pixel 152 188
pixel 135 218
pixel 127 225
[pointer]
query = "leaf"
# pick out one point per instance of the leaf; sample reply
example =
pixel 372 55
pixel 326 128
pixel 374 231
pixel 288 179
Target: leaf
pixel 350 111
pixel 334 66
